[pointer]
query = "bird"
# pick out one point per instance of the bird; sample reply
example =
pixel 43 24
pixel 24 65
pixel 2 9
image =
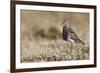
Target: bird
pixel 69 34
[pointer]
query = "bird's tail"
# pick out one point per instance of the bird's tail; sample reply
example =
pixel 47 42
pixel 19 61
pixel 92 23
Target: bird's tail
pixel 82 42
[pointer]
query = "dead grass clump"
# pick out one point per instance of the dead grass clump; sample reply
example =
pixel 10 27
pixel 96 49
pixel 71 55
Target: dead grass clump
pixel 50 50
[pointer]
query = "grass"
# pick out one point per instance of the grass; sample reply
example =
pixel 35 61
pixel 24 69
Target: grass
pixel 53 50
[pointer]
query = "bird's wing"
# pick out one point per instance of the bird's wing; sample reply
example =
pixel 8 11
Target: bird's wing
pixel 74 36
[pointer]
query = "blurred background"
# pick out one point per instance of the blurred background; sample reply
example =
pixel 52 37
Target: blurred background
pixel 48 24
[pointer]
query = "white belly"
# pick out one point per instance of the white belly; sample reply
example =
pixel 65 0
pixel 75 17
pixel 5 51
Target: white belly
pixel 70 40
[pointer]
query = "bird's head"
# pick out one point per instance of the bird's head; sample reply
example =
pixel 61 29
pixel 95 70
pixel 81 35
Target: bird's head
pixel 66 23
